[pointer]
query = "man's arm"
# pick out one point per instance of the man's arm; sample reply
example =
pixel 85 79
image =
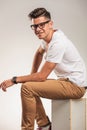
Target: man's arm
pixel 38 76
pixel 34 76
pixel 37 60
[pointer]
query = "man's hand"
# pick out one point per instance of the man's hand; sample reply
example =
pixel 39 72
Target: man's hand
pixel 5 84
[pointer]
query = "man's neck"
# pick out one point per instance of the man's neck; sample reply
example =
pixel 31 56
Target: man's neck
pixel 49 37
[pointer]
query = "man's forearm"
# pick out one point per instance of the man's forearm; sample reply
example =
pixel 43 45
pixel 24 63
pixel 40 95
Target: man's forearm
pixel 37 77
pixel 36 63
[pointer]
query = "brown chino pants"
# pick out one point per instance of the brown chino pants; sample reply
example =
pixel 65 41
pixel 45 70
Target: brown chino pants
pixel 31 92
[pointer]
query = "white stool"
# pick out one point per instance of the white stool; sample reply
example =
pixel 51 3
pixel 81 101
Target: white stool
pixel 69 114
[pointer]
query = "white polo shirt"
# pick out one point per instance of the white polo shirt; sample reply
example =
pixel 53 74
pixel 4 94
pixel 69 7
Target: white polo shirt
pixel 69 62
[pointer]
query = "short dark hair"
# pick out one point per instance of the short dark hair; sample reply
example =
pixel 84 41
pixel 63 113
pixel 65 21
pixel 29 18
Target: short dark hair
pixel 39 12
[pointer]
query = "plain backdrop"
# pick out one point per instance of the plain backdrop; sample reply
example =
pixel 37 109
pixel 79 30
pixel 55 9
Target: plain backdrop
pixel 18 44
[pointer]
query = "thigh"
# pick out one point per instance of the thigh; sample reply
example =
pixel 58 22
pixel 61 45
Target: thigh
pixel 55 89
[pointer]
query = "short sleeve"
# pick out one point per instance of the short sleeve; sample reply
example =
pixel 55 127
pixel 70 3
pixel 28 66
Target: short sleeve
pixel 55 53
pixel 43 45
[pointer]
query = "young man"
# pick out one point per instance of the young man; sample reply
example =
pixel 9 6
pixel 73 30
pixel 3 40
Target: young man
pixel 62 57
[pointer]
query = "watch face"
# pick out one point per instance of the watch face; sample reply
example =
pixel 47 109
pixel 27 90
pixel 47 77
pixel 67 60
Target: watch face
pixel 14 80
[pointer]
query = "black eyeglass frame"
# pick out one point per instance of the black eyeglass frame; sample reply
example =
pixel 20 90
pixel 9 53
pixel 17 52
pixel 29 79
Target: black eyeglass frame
pixel 40 25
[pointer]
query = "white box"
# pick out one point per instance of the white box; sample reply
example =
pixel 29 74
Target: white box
pixel 69 114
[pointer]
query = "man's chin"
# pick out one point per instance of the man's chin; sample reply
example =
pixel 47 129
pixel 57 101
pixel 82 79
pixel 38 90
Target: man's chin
pixel 39 36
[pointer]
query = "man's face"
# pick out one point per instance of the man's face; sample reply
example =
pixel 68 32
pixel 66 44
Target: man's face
pixel 41 27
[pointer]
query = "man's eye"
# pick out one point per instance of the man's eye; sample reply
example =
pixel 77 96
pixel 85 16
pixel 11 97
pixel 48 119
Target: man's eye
pixel 42 24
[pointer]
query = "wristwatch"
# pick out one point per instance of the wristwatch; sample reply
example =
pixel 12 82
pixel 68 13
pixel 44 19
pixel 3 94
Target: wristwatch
pixel 14 80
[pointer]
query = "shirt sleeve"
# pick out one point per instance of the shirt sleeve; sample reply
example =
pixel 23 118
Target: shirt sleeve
pixel 55 53
pixel 43 45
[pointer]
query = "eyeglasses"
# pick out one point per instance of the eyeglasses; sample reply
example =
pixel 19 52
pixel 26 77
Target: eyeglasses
pixel 40 25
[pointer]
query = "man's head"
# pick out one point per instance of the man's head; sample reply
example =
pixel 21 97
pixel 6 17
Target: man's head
pixel 41 22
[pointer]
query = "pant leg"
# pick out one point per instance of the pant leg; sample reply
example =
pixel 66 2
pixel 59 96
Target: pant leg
pixel 41 117
pixel 31 104
pixel 28 109
pixel 51 89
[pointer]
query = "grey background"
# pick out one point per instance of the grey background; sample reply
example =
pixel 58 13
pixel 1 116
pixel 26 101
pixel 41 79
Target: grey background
pixel 18 44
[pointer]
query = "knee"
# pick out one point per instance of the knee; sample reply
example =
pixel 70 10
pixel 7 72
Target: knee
pixel 25 88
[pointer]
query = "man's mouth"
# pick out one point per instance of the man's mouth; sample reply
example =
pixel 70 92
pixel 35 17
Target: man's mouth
pixel 38 34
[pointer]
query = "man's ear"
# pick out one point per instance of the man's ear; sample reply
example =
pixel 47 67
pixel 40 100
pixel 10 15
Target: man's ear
pixel 51 24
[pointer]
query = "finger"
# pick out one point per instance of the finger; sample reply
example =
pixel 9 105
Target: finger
pixel 3 86
pixel 4 89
